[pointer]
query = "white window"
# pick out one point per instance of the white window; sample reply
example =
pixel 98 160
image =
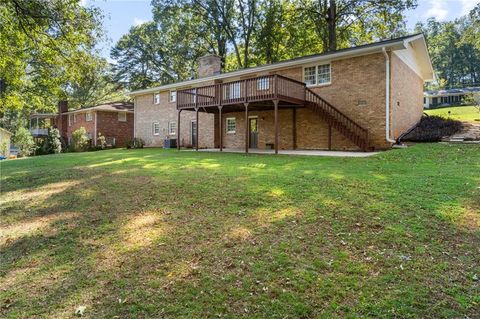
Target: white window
pixel 309 75
pixel 172 128
pixel 156 128
pixel 173 96
pixel 70 119
pixel 88 116
pixel 156 98
pixel 231 125
pixel 263 84
pixel 74 118
pixel 122 116
pixel 317 75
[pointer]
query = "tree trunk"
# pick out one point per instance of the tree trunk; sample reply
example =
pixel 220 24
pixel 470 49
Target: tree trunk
pixel 332 26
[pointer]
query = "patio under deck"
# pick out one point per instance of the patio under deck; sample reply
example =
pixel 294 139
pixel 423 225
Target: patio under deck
pixel 294 152
pixel 269 92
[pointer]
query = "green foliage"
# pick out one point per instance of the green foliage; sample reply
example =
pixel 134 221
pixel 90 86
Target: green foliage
pixel 136 143
pixel 433 129
pixel 101 141
pixel 3 148
pixel 53 141
pixel 45 47
pixel 79 140
pixel 246 33
pixel 24 141
pixel 455 53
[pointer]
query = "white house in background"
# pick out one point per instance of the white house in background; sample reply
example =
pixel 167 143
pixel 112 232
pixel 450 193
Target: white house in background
pixel 433 99
pixel 5 137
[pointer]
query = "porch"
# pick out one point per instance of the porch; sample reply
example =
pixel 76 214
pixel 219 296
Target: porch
pixel 40 123
pixel 265 93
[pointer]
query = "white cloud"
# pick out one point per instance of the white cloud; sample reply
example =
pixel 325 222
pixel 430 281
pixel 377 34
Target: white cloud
pixel 437 10
pixel 138 21
pixel 467 5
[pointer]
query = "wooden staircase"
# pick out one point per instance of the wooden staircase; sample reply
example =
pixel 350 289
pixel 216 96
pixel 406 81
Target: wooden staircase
pixel 337 120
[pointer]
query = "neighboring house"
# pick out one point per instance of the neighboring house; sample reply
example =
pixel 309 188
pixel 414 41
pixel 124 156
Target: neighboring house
pixel 432 99
pixel 360 98
pixel 5 137
pixel 112 120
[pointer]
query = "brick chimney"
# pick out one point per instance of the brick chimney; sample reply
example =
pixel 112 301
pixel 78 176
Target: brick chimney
pixel 210 64
pixel 62 107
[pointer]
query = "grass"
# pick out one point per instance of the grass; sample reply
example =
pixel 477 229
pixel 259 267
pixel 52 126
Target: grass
pixel 462 113
pixel 161 234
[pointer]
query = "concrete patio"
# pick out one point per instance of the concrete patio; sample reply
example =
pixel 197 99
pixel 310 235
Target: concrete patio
pixel 294 152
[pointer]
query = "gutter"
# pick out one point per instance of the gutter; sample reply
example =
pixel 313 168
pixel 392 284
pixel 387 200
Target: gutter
pixel 387 97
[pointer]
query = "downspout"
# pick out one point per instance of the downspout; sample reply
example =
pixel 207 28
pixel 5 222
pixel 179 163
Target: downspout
pixel 95 130
pixel 134 117
pixel 387 97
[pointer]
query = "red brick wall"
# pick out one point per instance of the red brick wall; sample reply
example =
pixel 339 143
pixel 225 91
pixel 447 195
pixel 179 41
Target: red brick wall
pixel 109 126
pixel 79 121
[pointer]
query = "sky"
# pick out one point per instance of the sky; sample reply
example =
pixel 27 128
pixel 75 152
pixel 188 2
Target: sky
pixel 121 15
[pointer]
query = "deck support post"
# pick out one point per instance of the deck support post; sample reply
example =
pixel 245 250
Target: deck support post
pixel 247 129
pixel 329 137
pixel 220 127
pixel 275 104
pixel 196 133
pixel 294 128
pixel 178 129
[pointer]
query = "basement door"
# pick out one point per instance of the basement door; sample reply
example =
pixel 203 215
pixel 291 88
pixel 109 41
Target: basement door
pixel 253 129
pixel 193 131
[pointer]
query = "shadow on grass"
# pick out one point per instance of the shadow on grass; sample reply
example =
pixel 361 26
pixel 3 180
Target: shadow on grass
pixel 153 233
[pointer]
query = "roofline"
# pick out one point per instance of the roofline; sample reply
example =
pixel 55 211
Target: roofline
pixel 90 109
pixel 396 44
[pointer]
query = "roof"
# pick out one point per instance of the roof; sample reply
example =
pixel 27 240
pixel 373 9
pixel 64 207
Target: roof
pixel 108 107
pixel 5 131
pixel 452 91
pixel 400 43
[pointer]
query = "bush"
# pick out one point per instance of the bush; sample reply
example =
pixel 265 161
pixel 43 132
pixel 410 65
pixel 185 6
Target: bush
pixel 101 141
pixel 136 143
pixel 23 139
pixel 80 140
pixel 433 129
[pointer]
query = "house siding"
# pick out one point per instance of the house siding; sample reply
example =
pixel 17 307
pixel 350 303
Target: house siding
pixel 109 126
pixel 406 96
pixel 357 89
pixel 147 113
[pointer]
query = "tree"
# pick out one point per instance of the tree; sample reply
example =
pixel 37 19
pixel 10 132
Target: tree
pixel 43 46
pixel 143 59
pixel 53 144
pixel 24 141
pixel 339 22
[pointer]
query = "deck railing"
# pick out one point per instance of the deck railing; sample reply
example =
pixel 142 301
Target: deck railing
pixel 243 91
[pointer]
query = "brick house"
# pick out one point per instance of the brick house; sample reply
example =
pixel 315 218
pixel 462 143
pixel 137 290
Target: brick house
pixel 360 98
pixel 113 120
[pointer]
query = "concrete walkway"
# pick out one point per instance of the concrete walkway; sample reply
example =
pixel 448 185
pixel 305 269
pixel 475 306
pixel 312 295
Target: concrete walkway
pixel 294 152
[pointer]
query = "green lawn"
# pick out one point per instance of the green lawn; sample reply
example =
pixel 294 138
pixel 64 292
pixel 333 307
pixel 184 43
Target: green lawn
pixel 162 234
pixel 462 113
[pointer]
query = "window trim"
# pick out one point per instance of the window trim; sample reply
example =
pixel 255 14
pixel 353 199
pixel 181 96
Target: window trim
pixel 170 128
pixel 170 96
pixel 153 128
pixel 70 119
pixel 124 114
pixel 87 118
pixel 316 65
pixel 155 98
pixel 226 125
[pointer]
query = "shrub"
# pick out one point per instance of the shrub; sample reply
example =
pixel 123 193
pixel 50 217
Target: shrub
pixel 23 139
pixel 136 143
pixel 53 143
pixel 433 129
pixel 101 141
pixel 3 148
pixel 80 140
